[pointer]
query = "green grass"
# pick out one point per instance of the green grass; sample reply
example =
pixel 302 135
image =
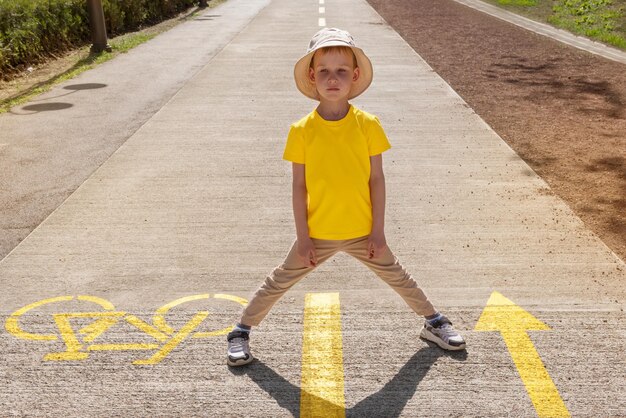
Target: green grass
pixel 122 44
pixel 600 20
pixel 520 3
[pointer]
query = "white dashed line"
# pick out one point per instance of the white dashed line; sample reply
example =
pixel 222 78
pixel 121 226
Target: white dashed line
pixel 322 10
pixel 321 1
pixel 322 22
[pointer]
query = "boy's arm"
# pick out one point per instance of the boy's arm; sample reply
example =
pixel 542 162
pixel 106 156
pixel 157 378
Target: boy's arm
pixel 306 249
pixel 377 240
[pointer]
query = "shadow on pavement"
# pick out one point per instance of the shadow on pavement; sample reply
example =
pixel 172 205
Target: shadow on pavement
pixel 393 397
pixel 47 107
pixel 286 394
pixel 50 106
pixel 85 86
pixel 389 401
pixel 84 62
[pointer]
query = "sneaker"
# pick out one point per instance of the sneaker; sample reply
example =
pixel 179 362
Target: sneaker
pixel 238 348
pixel 441 333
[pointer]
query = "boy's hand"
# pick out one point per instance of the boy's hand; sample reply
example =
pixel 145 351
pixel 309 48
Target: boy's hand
pixel 375 245
pixel 306 252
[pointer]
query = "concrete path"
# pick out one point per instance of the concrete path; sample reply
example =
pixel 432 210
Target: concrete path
pixel 190 213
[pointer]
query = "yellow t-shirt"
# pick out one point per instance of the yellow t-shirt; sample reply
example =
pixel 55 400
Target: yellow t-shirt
pixel 336 155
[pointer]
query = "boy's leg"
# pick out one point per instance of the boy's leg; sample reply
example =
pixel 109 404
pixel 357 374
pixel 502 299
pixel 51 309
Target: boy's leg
pixel 282 278
pixel 388 268
pixel 437 328
pixel 276 284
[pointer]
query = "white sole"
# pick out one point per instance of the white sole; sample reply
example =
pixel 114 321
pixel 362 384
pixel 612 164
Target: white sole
pixel 427 335
pixel 239 362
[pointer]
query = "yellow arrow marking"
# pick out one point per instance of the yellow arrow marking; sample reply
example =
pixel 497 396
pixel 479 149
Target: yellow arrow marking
pixel 512 322
pixel 322 389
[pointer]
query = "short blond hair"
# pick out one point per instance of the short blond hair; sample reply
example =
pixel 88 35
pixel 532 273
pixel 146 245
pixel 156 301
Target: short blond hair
pixel 336 48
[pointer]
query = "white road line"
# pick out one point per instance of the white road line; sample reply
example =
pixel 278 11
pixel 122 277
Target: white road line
pixel 549 31
pixel 322 10
pixel 321 22
pixel 321 1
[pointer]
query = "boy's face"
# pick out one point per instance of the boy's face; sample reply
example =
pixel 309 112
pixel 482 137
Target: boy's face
pixel 333 73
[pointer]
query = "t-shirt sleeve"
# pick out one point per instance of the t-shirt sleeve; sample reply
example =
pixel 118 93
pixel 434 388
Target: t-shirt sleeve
pixel 294 149
pixel 377 141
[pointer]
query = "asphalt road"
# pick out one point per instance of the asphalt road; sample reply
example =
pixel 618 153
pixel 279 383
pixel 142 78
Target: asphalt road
pixel 117 304
pixel 51 145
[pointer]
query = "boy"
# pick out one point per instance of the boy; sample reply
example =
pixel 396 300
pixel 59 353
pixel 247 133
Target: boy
pixel 338 190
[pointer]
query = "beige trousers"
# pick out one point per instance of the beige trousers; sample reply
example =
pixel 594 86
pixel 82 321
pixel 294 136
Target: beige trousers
pixel 283 277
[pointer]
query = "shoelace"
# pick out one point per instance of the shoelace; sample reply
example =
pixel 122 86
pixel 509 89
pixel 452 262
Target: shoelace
pixel 447 330
pixel 237 344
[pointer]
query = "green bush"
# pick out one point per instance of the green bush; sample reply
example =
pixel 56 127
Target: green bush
pixel 135 13
pixel 31 30
pixel 62 25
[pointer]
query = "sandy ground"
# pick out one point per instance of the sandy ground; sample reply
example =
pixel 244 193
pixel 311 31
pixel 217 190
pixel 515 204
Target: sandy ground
pixel 561 109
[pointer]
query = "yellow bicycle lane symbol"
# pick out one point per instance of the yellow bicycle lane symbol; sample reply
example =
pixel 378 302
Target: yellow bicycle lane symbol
pixel 167 338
